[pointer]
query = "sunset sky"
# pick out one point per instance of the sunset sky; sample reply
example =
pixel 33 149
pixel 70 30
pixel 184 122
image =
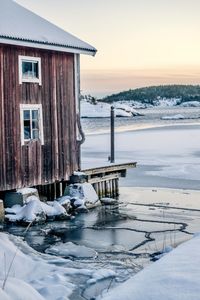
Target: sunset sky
pixel 139 42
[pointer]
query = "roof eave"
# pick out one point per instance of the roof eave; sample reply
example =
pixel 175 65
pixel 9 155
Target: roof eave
pixel 46 46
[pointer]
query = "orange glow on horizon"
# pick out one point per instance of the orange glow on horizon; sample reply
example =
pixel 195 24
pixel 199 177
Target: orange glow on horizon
pixel 103 82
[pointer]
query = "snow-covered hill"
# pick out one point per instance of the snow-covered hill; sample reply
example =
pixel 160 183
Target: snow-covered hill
pixel 102 110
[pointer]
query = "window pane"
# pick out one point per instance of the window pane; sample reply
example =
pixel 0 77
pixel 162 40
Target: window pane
pixel 26 114
pixel 35 124
pixel 35 114
pixel 27 129
pixel 35 134
pixel 35 69
pixel 27 71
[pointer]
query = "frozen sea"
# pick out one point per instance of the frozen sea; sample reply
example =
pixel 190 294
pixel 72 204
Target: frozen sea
pixel 167 152
pixel 157 207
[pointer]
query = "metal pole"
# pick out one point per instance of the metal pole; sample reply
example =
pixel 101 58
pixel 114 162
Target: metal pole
pixel 112 135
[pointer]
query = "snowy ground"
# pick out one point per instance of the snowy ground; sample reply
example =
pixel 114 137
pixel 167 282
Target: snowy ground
pixel 175 276
pixel 26 274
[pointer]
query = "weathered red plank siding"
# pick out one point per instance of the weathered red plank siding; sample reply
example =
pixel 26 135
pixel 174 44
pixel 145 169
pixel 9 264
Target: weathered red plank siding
pixel 36 164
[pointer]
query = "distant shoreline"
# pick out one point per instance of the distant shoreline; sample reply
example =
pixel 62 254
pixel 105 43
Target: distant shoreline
pixel 145 127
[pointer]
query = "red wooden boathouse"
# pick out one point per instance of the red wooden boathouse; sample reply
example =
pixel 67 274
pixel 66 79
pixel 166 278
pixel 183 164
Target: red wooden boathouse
pixel 39 99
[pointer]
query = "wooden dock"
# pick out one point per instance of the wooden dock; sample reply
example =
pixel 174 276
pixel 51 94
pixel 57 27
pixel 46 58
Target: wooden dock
pixel 105 180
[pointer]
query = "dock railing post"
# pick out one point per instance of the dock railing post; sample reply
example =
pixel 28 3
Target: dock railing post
pixel 112 135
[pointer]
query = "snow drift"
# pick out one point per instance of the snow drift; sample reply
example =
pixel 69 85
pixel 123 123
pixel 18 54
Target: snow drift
pixel 175 276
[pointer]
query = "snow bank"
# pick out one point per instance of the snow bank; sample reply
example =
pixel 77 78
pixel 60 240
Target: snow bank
pixel 30 277
pixel 16 289
pixel 37 276
pixel 102 110
pixel 175 276
pixel 178 117
pixel 71 249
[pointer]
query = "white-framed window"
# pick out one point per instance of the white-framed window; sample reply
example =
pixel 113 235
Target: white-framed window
pixel 30 69
pixel 31 123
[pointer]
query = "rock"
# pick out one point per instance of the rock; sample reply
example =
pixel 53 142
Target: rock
pixel 82 191
pixel 62 217
pixel 82 209
pixel 78 177
pixel 93 205
pixel 65 201
pixel 19 197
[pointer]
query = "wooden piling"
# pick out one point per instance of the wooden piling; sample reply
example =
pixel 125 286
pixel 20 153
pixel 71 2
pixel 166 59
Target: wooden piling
pixel 104 179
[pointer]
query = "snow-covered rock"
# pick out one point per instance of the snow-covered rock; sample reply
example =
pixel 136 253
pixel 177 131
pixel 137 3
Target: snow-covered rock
pixel 190 104
pixel 82 194
pixel 19 197
pixel 27 193
pixel 99 110
pixel 34 211
pixel 30 212
pixel 71 249
pixel 127 108
pixel 65 201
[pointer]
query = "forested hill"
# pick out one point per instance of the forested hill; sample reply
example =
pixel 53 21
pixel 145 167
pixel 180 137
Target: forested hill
pixel 150 94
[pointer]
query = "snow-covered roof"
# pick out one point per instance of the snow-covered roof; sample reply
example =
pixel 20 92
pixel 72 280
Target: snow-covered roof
pixel 19 26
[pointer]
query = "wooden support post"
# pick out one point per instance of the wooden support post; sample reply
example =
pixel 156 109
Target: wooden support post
pixel 112 135
pixel 95 187
pixel 63 187
pixel 105 189
pixel 110 188
pixel 57 184
pixel 113 188
pixel 48 192
pixel 100 191
pixel 117 187
pixel 60 188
